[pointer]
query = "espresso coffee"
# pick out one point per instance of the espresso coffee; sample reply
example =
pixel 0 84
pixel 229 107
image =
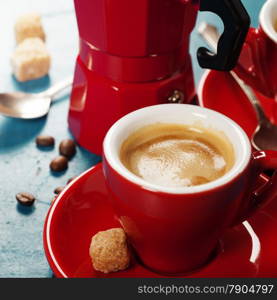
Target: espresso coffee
pixel 174 155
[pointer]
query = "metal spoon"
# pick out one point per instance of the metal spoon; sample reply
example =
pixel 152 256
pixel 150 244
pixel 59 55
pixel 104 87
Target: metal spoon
pixel 265 135
pixel 30 106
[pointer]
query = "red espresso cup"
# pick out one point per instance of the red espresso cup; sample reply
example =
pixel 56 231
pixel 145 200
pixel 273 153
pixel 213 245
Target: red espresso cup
pixel 177 230
pixel 258 60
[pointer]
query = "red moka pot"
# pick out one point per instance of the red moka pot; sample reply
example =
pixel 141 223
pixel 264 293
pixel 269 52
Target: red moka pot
pixel 136 53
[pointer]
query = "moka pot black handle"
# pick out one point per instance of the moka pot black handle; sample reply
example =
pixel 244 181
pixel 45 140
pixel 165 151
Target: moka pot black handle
pixel 236 24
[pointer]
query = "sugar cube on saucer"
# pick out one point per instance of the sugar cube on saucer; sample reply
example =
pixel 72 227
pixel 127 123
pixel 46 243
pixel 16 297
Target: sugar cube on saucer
pixel 30 60
pixel 108 251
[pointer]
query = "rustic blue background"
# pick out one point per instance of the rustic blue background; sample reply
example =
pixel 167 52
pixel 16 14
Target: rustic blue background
pixel 22 166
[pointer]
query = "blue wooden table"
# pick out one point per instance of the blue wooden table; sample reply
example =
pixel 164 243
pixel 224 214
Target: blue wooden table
pixel 23 167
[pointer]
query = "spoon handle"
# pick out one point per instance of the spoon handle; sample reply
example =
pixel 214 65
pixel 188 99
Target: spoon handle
pixel 58 87
pixel 210 34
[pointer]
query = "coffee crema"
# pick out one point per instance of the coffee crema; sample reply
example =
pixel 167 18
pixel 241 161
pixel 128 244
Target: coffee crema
pixel 174 155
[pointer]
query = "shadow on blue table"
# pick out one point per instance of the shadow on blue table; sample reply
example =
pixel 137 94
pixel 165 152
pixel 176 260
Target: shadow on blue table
pixel 89 158
pixel 11 128
pixel 32 86
pixel 17 132
pixel 57 174
pixel 25 210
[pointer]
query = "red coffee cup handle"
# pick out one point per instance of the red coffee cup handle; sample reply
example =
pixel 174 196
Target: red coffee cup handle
pixel 261 161
pixel 250 64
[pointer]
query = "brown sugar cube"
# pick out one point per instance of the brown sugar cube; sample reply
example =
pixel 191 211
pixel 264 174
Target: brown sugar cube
pixel 109 251
pixel 30 60
pixel 29 26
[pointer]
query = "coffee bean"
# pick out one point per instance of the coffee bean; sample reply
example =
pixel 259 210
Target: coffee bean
pixel 67 148
pixel 58 190
pixel 59 164
pixel 25 199
pixel 71 179
pixel 45 141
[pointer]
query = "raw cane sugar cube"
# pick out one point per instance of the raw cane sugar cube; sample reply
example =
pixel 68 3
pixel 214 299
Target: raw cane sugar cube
pixel 28 26
pixel 109 251
pixel 30 60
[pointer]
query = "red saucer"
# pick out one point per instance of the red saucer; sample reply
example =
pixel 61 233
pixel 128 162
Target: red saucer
pixel 83 209
pixel 220 92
